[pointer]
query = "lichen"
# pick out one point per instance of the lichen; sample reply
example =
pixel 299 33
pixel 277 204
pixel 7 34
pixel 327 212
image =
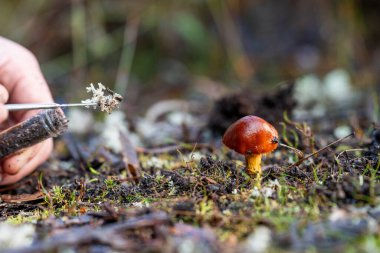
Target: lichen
pixel 106 102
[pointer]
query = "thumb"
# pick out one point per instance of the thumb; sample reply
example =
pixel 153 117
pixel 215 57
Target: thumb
pixel 4 95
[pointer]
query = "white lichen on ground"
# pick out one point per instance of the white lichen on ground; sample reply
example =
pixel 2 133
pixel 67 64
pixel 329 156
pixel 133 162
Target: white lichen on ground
pixel 12 237
pixel 106 102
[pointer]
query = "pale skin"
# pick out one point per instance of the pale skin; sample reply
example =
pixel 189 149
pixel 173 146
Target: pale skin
pixel 21 81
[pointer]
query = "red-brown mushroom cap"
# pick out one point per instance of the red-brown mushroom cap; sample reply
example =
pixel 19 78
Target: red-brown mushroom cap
pixel 251 135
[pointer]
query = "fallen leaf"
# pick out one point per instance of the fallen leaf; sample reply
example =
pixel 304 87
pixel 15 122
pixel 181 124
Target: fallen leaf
pixel 130 157
pixel 21 198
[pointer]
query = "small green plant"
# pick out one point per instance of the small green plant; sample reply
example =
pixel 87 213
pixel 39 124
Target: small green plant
pixel 57 194
pixel 110 183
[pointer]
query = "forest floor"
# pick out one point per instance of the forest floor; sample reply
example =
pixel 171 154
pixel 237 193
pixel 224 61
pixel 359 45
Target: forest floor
pixel 196 197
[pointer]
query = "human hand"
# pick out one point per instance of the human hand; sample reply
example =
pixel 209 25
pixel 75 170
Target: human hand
pixel 21 81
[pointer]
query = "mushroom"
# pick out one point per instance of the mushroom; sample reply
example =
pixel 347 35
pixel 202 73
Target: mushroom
pixel 251 136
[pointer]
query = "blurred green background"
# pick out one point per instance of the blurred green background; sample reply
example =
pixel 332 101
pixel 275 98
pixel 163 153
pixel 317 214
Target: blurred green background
pixel 147 50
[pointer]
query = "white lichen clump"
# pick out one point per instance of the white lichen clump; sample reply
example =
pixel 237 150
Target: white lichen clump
pixel 106 102
pixel 13 237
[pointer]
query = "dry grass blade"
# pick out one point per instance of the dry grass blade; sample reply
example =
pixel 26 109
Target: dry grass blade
pixel 318 151
pixel 297 151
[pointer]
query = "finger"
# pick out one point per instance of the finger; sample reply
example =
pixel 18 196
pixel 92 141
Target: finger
pixel 3 113
pixel 4 95
pixel 13 164
pixel 38 159
pixel 21 76
pixel 20 73
pixel 30 88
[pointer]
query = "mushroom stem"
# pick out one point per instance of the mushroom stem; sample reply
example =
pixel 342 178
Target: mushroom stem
pixel 253 163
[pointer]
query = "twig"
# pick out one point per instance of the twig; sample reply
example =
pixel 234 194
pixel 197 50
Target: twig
pixel 104 235
pixel 318 151
pixel 173 148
